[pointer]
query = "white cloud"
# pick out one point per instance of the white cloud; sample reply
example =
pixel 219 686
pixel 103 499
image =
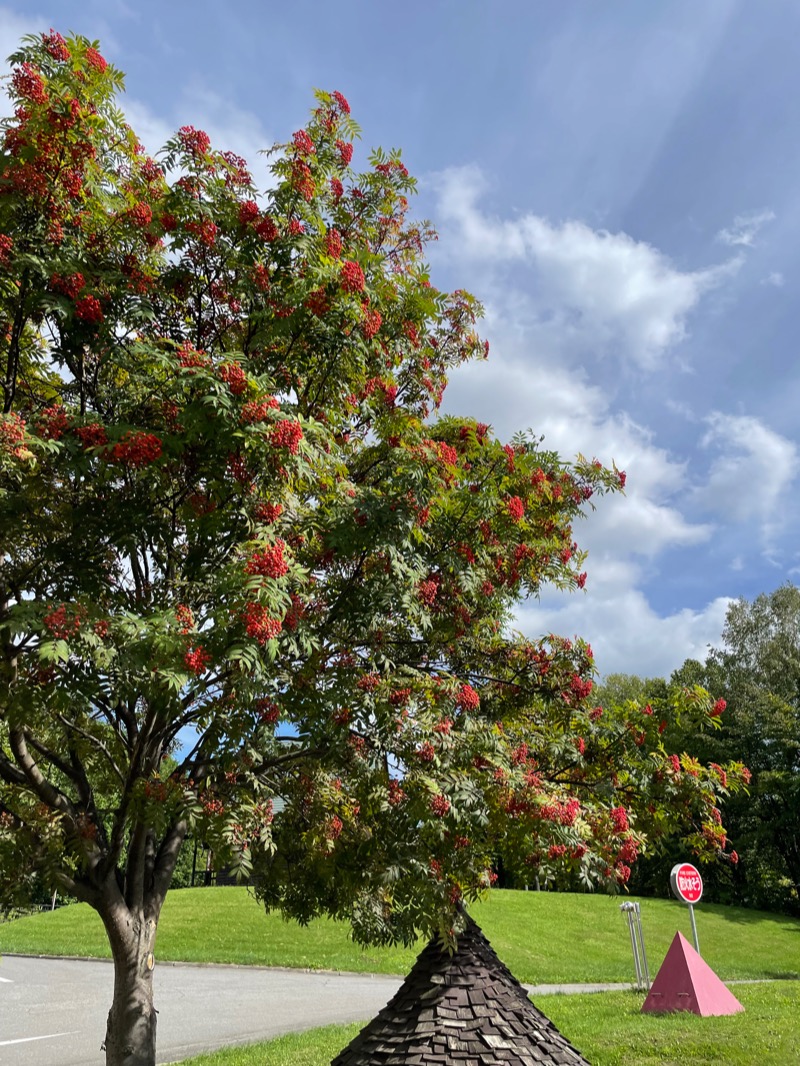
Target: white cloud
pixel 626 634
pixel 12 28
pixel 746 227
pixel 553 293
pixel 750 472
pixel 597 291
pixel 775 278
pixel 230 128
pixel 514 391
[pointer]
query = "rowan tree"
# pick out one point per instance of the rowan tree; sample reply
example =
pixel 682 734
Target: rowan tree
pixel 230 511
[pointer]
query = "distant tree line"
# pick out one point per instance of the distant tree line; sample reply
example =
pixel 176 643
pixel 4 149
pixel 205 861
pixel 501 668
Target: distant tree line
pixel 756 671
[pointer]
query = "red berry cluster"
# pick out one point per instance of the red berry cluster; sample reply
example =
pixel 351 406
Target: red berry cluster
pixel 334 827
pixel 267 711
pixel 303 143
pixel 197 659
pixel 234 376
pixel 268 512
pixel 516 509
pixel 137 449
pixel 91 436
pixel 53 422
pixel 56 45
pixel 302 179
pixel 248 212
pixel 239 470
pixel 95 60
pixel 468 699
pixel 191 358
pixel 205 231
pixel 619 819
pixel 371 323
pixel 12 434
pixel 368 682
pixel 28 83
pixel 258 623
pixel 561 813
pixel 89 309
pixel 195 141
pixel 318 303
pixel 352 277
pixel 61 624
pixel 141 215
pixel 68 284
pixel 440 805
pixel 581 688
pixel 345 150
pixel 287 434
pixel 267 230
pixel 333 243
pixel 427 591
pixel 269 562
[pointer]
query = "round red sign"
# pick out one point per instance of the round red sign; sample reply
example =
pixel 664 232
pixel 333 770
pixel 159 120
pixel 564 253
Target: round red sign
pixel 686 882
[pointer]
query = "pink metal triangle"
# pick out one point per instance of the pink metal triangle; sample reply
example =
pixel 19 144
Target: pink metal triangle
pixel 686 982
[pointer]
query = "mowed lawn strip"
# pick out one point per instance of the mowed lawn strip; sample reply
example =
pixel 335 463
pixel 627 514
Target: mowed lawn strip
pixel 607 1027
pixel 544 937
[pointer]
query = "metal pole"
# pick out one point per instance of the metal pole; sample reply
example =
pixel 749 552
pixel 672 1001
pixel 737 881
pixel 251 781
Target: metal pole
pixel 645 967
pixel 694 928
pixel 627 909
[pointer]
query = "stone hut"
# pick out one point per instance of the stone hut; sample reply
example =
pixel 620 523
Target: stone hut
pixel 465 1009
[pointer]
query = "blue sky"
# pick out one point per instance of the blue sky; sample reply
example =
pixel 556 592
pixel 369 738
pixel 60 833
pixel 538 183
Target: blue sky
pixel 618 183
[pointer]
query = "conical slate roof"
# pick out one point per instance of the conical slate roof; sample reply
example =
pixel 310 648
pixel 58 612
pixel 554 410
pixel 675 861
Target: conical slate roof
pixel 465 1009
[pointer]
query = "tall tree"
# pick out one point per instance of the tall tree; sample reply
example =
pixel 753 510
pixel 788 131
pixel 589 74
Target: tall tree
pixel 230 511
pixel 757 670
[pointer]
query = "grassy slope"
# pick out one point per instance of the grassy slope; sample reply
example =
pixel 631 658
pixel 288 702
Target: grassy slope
pixel 543 937
pixel 609 1029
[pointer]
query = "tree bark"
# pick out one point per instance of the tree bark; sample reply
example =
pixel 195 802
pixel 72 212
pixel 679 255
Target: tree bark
pixel 131 1027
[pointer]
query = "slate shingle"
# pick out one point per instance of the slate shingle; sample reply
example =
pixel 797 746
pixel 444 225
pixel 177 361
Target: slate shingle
pixel 457 1010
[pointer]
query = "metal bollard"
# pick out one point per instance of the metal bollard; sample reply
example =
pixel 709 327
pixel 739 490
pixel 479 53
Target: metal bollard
pixel 633 912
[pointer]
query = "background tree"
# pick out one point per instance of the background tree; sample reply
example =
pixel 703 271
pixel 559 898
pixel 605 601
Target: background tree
pixel 694 741
pixel 757 670
pixel 229 513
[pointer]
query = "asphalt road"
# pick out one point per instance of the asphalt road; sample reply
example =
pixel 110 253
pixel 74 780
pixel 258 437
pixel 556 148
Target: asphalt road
pixel 53 1011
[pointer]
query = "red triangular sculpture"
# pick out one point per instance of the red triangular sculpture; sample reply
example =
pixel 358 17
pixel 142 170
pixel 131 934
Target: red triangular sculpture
pixel 686 982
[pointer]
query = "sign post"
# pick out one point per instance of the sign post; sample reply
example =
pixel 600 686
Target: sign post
pixel 687 884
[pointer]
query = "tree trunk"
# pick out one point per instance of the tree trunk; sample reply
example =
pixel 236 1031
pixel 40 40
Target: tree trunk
pixel 131 1028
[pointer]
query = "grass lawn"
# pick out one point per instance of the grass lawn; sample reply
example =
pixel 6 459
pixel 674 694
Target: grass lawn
pixel 608 1028
pixel 542 936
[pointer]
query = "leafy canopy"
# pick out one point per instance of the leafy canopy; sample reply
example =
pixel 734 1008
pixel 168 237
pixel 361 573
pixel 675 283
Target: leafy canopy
pixel 231 511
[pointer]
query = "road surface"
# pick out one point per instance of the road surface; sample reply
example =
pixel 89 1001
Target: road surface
pixel 53 1011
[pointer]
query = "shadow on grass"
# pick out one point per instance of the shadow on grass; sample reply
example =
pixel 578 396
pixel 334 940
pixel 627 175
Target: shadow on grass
pixel 743 916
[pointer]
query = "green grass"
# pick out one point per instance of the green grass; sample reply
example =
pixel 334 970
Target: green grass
pixel 608 1028
pixel 543 937
pixel 314 1048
